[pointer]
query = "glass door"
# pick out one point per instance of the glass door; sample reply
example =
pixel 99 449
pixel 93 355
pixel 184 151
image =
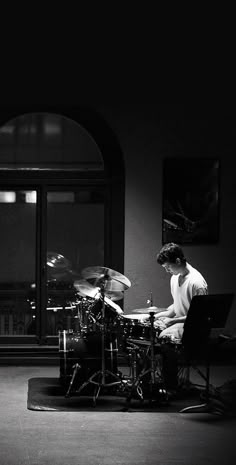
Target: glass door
pixel 61 210
pixel 47 237
pixel 75 240
pixel 18 306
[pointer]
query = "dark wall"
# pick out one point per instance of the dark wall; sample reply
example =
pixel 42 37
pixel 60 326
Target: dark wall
pixel 148 134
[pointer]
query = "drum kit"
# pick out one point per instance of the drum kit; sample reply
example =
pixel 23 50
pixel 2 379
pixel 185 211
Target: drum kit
pixel 89 354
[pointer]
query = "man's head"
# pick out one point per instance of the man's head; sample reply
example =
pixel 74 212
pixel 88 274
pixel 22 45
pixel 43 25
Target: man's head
pixel 172 258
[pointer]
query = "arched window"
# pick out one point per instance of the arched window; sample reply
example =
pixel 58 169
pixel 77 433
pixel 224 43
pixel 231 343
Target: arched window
pixel 61 210
pixel 48 141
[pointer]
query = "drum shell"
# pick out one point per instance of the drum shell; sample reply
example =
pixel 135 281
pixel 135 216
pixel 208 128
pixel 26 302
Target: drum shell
pixel 136 329
pixel 91 316
pixel 87 322
pixel 110 316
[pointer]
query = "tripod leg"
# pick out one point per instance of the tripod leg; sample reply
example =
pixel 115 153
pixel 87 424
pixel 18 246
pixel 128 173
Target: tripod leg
pixel 96 394
pixel 89 380
pixel 76 367
pixel 136 386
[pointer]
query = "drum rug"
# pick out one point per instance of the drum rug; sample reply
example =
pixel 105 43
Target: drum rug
pixel 48 394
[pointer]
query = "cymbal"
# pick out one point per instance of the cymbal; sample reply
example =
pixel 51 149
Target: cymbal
pixel 144 342
pixel 114 295
pixel 146 310
pixel 56 260
pixel 113 280
pixel 133 316
pixel 84 288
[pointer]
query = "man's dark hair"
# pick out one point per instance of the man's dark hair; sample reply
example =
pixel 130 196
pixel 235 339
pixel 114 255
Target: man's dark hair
pixel 169 253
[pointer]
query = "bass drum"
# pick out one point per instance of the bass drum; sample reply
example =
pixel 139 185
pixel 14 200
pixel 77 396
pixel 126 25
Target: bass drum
pixel 86 350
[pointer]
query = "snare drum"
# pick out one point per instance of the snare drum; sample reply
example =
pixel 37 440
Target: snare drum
pixel 86 350
pixel 135 327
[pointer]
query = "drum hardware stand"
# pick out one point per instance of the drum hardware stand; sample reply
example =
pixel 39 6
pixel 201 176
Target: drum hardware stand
pixel 101 374
pixel 76 367
pixel 132 357
pixel 129 379
pixel 153 382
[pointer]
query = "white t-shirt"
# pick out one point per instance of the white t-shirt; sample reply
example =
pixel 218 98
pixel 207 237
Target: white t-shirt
pixel 182 295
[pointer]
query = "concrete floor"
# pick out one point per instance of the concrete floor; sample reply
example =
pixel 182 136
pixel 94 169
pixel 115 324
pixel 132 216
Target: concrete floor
pixel 106 438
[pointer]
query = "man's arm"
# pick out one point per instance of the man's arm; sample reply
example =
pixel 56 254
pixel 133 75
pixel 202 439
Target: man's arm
pixel 199 291
pixel 168 314
pixel 171 320
pixel 165 312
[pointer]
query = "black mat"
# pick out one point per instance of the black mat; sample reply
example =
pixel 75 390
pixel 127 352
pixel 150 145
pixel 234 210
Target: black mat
pixel 47 394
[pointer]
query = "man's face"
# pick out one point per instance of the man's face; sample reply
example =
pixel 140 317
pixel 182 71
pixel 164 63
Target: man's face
pixel 172 268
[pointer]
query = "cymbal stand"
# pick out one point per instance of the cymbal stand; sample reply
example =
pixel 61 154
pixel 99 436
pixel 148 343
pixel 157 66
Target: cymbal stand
pixel 99 378
pixel 148 368
pixel 132 349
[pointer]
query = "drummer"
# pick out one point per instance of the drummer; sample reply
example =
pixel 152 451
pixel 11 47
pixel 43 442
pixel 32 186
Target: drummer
pixel 185 282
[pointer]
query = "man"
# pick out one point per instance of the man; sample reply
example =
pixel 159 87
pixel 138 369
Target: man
pixel 185 283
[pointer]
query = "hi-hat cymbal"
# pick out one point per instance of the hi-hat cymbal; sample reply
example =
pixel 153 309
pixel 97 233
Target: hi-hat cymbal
pixel 133 316
pixel 84 288
pixel 145 310
pixel 56 260
pixel 112 280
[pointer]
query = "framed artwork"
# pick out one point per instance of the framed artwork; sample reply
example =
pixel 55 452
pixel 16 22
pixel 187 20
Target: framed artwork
pixel 190 212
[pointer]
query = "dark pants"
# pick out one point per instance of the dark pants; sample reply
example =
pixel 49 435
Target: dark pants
pixel 169 365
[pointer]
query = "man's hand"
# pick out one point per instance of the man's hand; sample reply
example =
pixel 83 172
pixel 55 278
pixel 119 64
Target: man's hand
pixel 168 321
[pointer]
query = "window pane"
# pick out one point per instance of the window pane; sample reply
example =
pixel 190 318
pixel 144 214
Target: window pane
pixel 75 240
pixel 17 271
pixel 48 141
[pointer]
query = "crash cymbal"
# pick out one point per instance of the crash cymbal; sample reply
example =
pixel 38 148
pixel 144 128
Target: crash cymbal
pixel 146 310
pixel 84 288
pixel 113 280
pixel 56 260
